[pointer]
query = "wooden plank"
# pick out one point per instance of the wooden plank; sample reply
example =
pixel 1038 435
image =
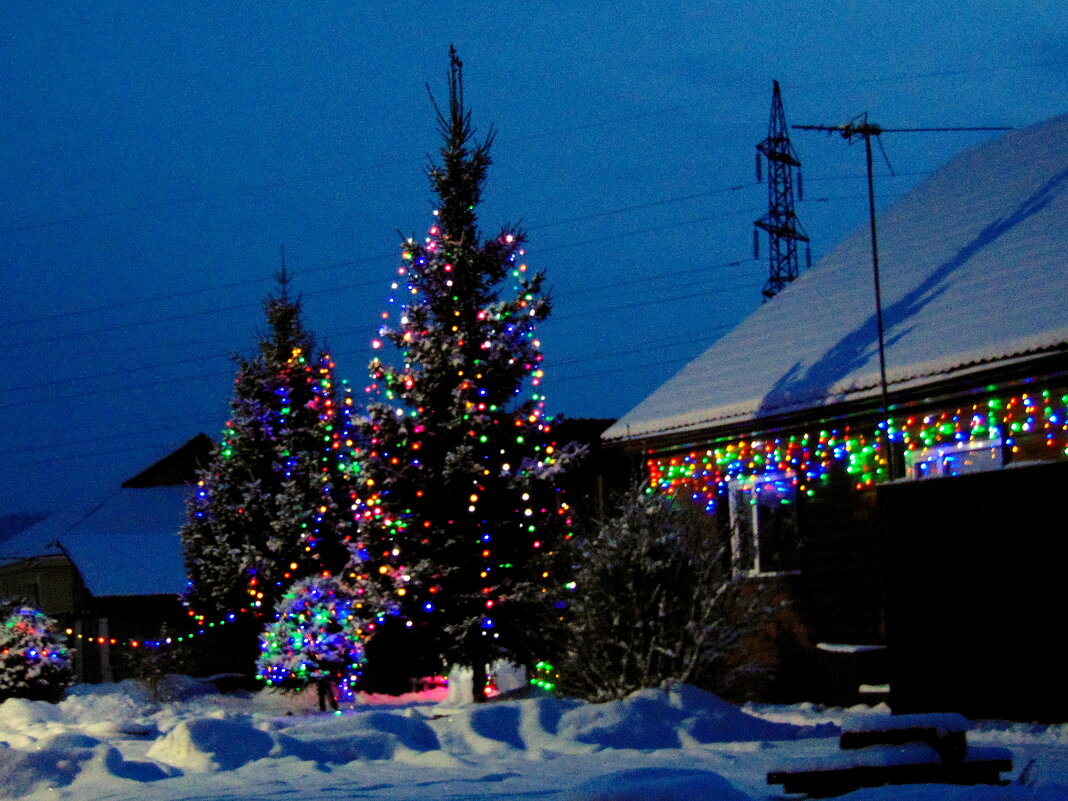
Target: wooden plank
pixel 827 783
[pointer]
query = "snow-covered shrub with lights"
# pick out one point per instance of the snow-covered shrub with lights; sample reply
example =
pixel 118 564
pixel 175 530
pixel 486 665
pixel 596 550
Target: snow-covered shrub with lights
pixel 317 632
pixel 456 495
pixel 274 505
pixel 653 599
pixel 34 660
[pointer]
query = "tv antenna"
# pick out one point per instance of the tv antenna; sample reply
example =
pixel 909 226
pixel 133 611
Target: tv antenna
pixel 781 223
pixel 856 128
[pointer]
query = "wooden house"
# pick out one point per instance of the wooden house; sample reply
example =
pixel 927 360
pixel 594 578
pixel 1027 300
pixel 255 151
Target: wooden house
pixel 917 522
pixel 114 571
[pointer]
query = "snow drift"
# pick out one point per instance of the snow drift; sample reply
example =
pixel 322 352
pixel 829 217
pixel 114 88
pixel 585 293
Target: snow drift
pixel 678 742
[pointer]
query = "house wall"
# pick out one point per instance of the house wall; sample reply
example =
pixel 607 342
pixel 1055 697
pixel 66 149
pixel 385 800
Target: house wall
pixel 975 598
pixel 835 599
pixel 840 593
pixel 53 584
pixel 49 583
pixel 857 566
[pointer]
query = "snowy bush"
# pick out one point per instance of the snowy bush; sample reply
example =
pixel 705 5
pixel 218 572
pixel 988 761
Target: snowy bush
pixel 154 661
pixel 653 600
pixel 316 634
pixel 34 661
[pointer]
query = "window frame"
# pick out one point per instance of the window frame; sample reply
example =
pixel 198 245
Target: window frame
pixel 743 564
pixel 938 455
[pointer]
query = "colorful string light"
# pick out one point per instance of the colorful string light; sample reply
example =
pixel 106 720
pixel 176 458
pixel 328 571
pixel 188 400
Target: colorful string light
pixel 1031 426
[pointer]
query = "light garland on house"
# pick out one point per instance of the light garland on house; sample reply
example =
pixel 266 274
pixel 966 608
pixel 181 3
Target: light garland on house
pixel 808 458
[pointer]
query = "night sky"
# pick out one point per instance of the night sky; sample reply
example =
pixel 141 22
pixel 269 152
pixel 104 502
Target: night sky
pixel 158 156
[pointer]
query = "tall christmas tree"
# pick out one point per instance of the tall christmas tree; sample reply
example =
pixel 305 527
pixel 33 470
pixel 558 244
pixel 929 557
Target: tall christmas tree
pixel 455 486
pixel 275 504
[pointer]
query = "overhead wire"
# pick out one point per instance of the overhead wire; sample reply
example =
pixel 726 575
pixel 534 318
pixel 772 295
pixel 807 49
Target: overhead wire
pixel 612 120
pixel 124 387
pixel 341 264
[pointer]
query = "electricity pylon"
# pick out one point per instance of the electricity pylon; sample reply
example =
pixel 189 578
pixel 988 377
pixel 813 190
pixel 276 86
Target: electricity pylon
pixel 781 223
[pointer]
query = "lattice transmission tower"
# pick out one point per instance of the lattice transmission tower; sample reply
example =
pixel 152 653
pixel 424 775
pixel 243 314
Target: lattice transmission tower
pixel 784 229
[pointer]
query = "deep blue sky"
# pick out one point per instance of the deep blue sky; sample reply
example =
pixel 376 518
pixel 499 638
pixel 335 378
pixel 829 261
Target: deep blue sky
pixel 157 155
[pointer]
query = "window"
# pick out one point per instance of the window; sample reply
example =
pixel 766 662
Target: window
pixel 958 459
pixel 764 533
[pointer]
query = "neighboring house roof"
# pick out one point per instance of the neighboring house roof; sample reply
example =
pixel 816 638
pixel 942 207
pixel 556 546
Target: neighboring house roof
pixel 14 524
pixel 974 274
pixel 127 544
pixel 177 468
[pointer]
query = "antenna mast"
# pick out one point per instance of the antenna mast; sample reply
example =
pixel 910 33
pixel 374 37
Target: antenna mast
pixel 860 128
pixel 781 223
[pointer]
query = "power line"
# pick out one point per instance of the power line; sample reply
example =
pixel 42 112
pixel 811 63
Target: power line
pixel 899 76
pixel 613 120
pixel 553 364
pixel 236 307
pixel 190 292
pixel 689 295
pixel 630 368
pixel 368 331
pixel 202 424
pixel 370 282
pixel 334 265
pixel 642 206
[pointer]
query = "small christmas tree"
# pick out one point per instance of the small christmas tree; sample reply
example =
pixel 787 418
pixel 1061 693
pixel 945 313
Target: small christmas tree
pixel 317 635
pixel 275 504
pixel 34 661
pixel 456 494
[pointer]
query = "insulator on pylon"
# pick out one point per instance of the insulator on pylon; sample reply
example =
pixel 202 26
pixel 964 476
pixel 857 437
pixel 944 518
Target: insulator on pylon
pixel 756 244
pixel 808 257
pixel 800 186
pixel 760 178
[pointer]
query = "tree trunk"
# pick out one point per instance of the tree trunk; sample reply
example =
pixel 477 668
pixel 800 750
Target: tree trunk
pixel 479 677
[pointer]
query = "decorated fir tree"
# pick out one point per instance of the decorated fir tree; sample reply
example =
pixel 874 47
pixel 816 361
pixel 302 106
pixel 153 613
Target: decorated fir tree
pixel 455 484
pixel 34 661
pixel 316 636
pixel 274 504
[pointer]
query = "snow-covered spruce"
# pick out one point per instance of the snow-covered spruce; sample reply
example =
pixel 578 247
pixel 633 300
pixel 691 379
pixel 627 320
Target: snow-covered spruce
pixel 316 635
pixel 456 491
pixel 273 506
pixel 34 661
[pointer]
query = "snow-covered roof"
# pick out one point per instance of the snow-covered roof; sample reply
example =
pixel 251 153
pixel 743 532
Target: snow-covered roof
pixel 974 274
pixel 126 545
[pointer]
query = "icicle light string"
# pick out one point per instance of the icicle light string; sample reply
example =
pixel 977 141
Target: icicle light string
pixel 1019 422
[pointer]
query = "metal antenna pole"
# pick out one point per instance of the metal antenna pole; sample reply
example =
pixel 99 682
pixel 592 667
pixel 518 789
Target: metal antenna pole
pixel 857 127
pixel 878 305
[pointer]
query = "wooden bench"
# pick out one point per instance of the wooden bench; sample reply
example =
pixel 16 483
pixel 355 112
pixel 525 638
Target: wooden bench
pixel 896 749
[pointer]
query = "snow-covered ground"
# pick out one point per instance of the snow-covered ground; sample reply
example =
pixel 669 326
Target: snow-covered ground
pixel 110 742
